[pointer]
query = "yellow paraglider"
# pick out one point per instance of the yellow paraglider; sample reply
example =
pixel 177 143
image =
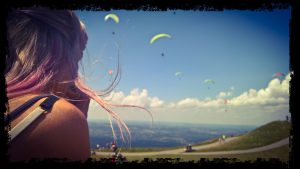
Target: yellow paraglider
pixel 161 35
pixel 113 17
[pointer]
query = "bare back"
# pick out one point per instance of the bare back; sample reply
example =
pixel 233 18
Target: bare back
pixel 60 133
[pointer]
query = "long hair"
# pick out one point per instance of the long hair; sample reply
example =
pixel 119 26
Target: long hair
pixel 45 47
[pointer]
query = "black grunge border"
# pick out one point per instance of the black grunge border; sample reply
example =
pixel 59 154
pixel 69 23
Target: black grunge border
pixel 162 5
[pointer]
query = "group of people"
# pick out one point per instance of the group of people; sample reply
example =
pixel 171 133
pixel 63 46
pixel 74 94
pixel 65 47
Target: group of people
pixel 117 157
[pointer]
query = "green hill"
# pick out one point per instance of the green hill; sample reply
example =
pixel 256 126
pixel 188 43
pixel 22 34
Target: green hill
pixel 261 136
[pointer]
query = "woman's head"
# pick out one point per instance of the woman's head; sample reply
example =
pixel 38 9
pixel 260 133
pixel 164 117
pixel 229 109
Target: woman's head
pixel 45 47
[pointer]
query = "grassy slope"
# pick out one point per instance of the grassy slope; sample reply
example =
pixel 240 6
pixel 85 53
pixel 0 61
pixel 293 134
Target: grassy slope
pixel 264 135
pixel 282 153
pixel 261 136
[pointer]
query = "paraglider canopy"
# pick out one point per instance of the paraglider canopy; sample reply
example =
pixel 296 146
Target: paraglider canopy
pixel 209 81
pixel 158 36
pixel 278 74
pixel 178 73
pixel 113 17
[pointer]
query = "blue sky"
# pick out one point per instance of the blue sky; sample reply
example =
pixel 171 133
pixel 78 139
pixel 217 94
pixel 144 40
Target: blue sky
pixel 240 49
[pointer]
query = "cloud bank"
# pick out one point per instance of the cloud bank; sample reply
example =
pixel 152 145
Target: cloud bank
pixel 252 106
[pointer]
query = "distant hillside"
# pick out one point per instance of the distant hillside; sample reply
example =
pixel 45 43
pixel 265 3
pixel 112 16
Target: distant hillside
pixel 261 136
pixel 270 132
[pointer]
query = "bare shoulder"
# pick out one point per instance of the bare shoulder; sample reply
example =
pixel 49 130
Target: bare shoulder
pixel 66 128
pixel 64 111
pixel 60 133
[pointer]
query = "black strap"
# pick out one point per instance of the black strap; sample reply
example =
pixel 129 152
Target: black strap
pixel 46 105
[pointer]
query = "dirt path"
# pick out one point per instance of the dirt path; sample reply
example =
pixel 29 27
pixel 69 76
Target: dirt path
pixel 252 150
pixel 182 152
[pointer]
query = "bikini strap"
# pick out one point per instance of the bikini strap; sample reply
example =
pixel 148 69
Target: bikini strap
pixel 14 114
pixel 48 103
pixel 44 107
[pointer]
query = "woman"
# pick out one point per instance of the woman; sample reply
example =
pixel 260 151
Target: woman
pixel 45 47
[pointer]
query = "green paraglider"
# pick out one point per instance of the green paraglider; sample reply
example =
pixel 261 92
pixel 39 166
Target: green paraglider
pixel 209 82
pixel 158 36
pixel 113 17
pixel 178 74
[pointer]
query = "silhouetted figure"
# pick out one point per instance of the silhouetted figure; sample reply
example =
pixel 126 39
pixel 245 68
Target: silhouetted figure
pixel 113 147
pixel 188 148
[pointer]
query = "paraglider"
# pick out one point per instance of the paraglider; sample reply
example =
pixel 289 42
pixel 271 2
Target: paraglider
pixel 113 17
pixel 110 72
pixel 278 74
pixel 225 103
pixel 178 74
pixel 209 82
pixel 158 36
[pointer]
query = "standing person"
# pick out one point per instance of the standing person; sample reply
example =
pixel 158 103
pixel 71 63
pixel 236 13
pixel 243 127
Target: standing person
pixel 44 50
pixel 113 146
pixel 224 137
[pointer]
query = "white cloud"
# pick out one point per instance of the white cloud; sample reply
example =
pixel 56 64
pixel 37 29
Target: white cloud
pixel 276 92
pixel 224 95
pixel 136 97
pixel 156 102
pixel 250 107
pixel 188 102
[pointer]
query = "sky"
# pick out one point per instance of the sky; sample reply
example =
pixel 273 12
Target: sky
pixel 239 50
